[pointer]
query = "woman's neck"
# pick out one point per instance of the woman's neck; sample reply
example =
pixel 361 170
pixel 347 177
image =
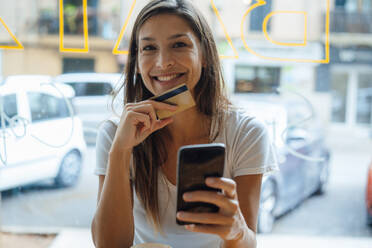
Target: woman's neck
pixel 189 126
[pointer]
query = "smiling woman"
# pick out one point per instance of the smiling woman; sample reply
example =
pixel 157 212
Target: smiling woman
pixel 171 44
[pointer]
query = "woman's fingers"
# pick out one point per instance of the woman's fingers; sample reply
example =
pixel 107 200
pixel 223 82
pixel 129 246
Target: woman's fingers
pixel 162 123
pixel 227 206
pixel 146 109
pixel 162 105
pixel 205 218
pixel 211 229
pixel 140 120
pixel 228 186
pixel 224 232
pixel 149 107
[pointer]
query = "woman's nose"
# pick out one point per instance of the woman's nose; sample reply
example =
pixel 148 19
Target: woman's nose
pixel 164 60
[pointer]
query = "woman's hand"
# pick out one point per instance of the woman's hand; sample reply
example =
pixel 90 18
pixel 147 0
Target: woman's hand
pixel 138 121
pixel 228 223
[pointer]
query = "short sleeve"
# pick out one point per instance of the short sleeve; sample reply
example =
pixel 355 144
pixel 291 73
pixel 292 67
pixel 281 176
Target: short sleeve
pixel 105 136
pixel 253 151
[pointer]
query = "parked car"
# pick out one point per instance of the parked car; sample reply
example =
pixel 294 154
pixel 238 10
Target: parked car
pixel 92 99
pixel 369 195
pixel 39 138
pixel 303 159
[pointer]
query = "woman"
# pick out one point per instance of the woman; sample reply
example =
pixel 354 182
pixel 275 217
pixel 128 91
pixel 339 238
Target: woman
pixel 172 44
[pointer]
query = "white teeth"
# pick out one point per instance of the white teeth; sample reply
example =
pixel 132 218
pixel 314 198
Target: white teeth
pixel 167 78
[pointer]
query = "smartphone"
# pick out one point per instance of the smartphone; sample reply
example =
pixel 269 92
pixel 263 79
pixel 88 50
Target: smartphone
pixel 195 164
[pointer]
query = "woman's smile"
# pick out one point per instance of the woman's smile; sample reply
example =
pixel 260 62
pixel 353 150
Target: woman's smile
pixel 170 80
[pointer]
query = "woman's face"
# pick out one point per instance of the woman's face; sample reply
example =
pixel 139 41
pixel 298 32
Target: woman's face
pixel 169 54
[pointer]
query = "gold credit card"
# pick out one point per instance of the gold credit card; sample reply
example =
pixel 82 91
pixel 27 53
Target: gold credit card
pixel 179 95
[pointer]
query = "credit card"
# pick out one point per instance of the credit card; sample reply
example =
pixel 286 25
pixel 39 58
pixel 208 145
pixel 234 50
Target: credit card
pixel 179 95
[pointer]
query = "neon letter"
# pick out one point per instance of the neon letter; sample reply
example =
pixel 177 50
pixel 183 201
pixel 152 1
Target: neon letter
pixel 61 30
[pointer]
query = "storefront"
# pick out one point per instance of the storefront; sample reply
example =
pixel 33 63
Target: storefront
pixel 350 84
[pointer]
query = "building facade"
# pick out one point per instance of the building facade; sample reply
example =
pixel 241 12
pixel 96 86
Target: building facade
pixel 341 90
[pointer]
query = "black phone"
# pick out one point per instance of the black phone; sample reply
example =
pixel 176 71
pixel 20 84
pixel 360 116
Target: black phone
pixel 195 164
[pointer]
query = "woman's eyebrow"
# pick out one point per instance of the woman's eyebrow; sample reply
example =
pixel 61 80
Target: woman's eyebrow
pixel 175 36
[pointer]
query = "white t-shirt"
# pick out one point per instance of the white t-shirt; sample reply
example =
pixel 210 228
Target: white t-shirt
pixel 248 151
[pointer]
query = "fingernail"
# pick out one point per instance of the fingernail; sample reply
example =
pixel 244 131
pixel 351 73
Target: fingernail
pixel 190 227
pixel 186 196
pixel 210 180
pixel 180 214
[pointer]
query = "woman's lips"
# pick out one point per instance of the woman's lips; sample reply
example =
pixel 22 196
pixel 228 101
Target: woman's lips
pixel 168 79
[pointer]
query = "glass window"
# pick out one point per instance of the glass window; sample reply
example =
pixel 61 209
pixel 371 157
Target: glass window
pixel 256 79
pixel 91 89
pixel 258 16
pixel 45 107
pixel 339 92
pixel 364 99
pixel 55 185
pixel 73 14
pixel 77 65
pixel 10 108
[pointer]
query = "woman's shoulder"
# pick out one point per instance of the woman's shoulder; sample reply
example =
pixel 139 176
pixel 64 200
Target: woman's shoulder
pixel 240 126
pixel 238 118
pixel 107 130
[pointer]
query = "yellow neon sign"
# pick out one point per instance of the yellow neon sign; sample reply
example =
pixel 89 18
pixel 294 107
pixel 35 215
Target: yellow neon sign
pixel 267 18
pixel 260 3
pixel 116 47
pixel 19 47
pixel 61 30
pixel 236 56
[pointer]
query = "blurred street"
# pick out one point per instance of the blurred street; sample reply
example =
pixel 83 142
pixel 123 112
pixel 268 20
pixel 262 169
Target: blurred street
pixel 340 212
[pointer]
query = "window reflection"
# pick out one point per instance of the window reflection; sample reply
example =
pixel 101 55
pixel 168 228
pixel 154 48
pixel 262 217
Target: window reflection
pixel 339 92
pixel 256 79
pixel 9 103
pixel 46 107
pixel 364 105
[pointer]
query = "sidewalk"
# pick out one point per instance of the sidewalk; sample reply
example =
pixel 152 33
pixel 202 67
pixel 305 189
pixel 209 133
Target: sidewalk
pixel 77 238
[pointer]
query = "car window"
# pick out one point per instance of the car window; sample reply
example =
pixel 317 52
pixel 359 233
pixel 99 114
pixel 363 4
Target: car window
pixel 45 107
pixel 10 108
pixel 91 89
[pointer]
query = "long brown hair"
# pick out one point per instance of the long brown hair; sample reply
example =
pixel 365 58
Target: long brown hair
pixel 209 94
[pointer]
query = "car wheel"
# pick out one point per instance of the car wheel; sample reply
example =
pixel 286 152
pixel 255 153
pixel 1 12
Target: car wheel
pixel 268 201
pixel 69 170
pixel 323 178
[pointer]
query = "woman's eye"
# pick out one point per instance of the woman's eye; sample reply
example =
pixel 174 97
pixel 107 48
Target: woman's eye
pixel 148 48
pixel 180 44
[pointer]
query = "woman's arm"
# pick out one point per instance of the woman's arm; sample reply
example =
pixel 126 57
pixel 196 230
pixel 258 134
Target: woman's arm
pixel 112 224
pixel 248 189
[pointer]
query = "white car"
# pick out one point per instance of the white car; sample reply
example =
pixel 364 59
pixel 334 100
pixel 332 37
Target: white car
pixel 92 99
pixel 40 138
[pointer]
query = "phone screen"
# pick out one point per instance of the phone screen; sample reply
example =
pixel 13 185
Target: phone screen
pixel 195 164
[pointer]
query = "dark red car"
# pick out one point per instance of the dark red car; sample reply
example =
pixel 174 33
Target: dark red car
pixel 369 195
